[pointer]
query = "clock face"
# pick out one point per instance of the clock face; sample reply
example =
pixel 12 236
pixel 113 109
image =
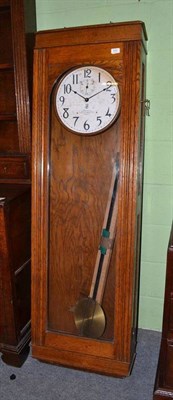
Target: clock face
pixel 87 100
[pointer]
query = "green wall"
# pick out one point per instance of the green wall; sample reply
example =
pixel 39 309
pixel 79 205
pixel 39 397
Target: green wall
pixel 158 174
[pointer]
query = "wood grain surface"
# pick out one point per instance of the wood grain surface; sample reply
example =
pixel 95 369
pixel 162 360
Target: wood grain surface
pixel 71 181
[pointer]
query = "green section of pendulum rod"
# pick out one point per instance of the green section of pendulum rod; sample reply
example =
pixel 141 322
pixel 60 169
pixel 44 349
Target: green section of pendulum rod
pixel 105 234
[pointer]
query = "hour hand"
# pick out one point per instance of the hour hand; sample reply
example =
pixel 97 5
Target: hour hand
pixel 85 98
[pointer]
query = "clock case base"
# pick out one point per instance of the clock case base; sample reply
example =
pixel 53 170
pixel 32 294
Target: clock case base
pixel 82 362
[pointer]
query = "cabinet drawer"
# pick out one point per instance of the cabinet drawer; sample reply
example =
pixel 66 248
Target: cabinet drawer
pixel 14 168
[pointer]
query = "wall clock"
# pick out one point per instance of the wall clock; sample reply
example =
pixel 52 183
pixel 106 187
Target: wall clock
pixel 88 135
pixel 87 100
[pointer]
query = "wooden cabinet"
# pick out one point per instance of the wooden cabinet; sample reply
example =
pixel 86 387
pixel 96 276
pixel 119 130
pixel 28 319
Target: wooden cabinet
pixel 87 195
pixel 17 27
pixel 15 282
pixel 164 377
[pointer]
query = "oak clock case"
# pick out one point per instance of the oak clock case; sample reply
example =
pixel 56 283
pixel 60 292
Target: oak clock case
pixel 90 144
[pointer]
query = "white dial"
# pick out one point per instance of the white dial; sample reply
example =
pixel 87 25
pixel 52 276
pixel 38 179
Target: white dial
pixel 87 100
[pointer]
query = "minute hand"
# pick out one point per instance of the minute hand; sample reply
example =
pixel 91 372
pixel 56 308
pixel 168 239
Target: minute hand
pixel 103 90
